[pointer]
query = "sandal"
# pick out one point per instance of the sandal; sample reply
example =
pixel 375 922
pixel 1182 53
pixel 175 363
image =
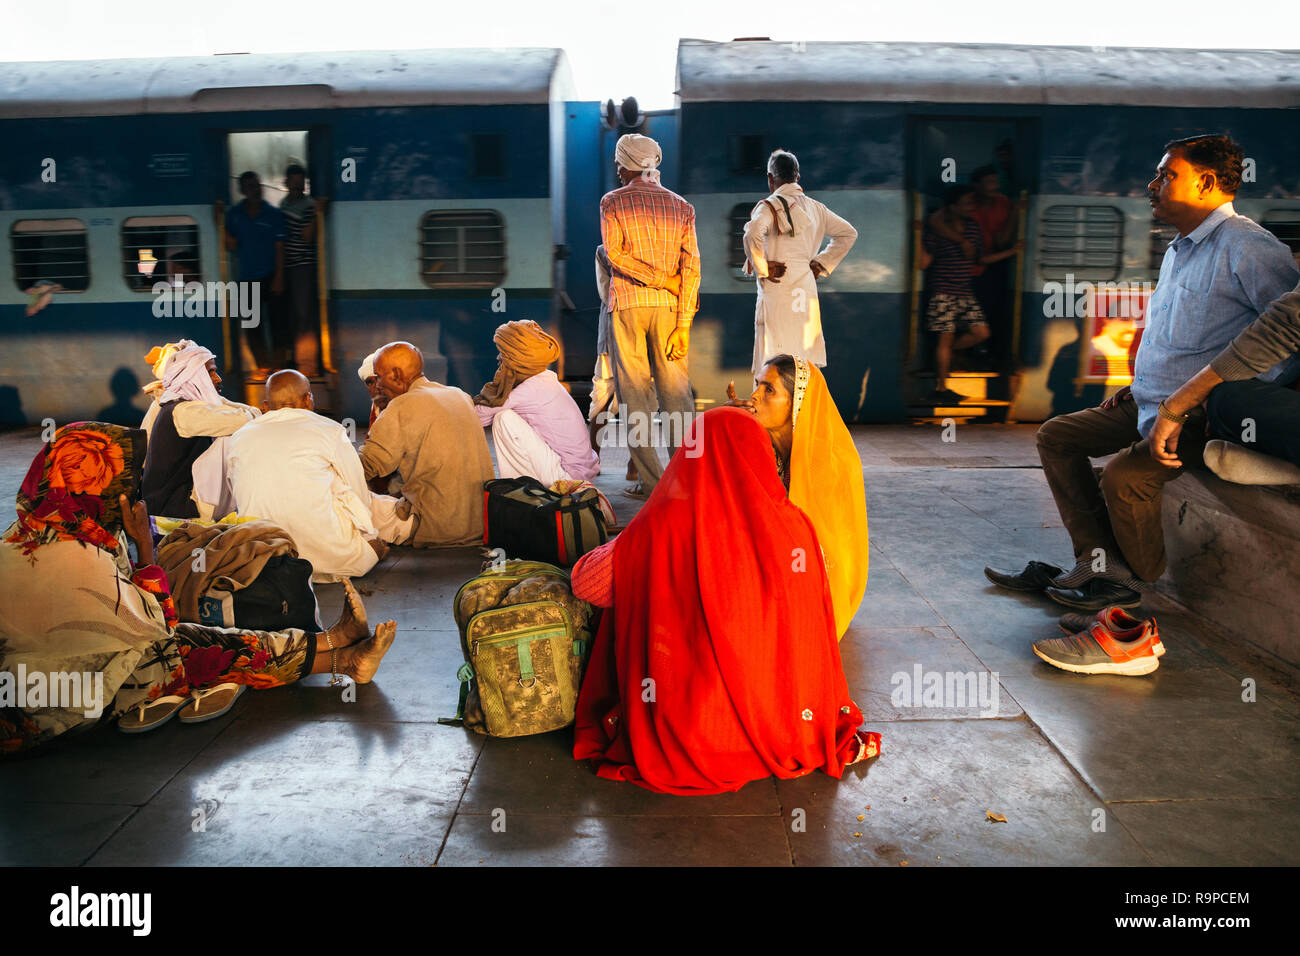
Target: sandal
pixel 149 714
pixel 211 703
pixel 868 746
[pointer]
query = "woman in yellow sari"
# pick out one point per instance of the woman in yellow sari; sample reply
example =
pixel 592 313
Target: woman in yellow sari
pixel 821 469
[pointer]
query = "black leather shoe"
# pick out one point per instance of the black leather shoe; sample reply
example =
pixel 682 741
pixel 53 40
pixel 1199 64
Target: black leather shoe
pixel 1095 595
pixel 1036 576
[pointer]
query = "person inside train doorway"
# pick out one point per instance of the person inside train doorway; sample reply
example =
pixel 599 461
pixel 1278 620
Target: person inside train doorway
pixel 997 218
pixel 654 288
pixel 298 344
pixel 1219 274
pixel 783 249
pixel 255 231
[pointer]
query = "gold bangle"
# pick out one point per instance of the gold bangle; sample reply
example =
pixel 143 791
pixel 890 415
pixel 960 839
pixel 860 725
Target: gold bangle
pixel 1163 411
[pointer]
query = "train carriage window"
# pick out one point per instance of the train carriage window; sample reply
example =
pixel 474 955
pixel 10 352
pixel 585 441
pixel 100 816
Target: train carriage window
pixel 50 251
pixel 1084 241
pixel 1285 224
pixel 1161 235
pixel 462 249
pixel 736 220
pixel 159 249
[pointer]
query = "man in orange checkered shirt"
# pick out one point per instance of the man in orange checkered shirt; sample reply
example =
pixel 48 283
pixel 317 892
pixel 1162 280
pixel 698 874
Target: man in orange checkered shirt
pixel 649 237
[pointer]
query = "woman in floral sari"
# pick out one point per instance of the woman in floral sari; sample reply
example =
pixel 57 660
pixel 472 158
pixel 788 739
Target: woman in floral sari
pixel 718 663
pixel 71 602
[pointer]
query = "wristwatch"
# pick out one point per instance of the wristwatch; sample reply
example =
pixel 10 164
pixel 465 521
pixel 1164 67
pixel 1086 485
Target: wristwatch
pixel 1166 414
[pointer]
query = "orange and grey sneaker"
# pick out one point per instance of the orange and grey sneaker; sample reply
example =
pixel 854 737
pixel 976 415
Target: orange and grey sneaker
pixel 1115 643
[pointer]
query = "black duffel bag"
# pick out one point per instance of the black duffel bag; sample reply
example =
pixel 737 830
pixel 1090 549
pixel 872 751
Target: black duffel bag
pixel 527 520
pixel 281 596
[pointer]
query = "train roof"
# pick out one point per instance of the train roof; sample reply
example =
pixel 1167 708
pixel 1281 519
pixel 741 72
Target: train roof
pixel 779 71
pixel 273 81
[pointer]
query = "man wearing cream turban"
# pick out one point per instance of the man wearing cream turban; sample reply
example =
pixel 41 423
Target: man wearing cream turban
pixel 649 238
pixel 536 425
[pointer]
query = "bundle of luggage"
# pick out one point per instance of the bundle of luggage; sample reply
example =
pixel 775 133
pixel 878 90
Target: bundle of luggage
pixel 525 639
pixel 525 519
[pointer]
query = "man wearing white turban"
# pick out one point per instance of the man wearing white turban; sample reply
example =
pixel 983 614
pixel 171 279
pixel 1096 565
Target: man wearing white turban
pixel 370 378
pixel 184 468
pixel 649 238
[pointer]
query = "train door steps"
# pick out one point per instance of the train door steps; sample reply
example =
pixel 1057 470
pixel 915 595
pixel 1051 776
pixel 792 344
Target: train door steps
pixel 1233 558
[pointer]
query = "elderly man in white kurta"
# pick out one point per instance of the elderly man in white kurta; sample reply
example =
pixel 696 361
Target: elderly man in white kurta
pixel 783 246
pixel 298 470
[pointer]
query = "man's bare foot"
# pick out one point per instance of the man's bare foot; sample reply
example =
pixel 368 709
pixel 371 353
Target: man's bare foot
pixel 381 549
pixel 351 626
pixel 363 659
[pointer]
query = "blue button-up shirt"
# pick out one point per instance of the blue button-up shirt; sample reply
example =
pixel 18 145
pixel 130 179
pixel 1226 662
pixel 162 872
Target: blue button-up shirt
pixel 256 239
pixel 1213 282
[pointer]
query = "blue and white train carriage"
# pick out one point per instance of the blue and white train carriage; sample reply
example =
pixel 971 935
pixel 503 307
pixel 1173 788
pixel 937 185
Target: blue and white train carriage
pixel 875 126
pixel 466 182
pixel 444 169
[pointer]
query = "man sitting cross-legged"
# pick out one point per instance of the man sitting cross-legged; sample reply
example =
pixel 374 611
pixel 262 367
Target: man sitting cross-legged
pixel 299 470
pixel 430 435
pixel 537 427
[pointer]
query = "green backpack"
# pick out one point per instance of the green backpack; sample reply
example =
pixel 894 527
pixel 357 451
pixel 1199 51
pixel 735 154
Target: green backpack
pixel 525 638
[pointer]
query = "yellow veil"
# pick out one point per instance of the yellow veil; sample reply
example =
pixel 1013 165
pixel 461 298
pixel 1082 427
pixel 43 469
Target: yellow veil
pixel 826 484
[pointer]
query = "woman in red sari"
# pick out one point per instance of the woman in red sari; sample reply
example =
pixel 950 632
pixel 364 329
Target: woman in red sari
pixel 719 661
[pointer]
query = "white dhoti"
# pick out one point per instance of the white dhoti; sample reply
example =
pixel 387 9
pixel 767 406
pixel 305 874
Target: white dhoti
pixel 521 451
pixel 386 512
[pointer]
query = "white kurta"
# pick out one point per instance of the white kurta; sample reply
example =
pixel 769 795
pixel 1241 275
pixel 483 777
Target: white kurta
pixel 299 470
pixel 787 317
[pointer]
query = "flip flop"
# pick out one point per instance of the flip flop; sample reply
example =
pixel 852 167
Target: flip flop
pixel 211 703
pixel 149 714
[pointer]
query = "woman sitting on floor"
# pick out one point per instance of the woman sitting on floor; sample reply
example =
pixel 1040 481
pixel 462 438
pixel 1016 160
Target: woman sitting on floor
pixel 71 602
pixel 718 663
pixel 821 470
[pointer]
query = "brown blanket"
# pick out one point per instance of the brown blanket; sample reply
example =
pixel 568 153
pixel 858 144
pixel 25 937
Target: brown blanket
pixel 233 556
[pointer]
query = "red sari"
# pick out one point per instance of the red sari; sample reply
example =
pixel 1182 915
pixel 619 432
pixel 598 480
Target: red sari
pixel 719 661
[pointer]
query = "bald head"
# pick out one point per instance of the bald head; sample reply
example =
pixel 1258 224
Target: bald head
pixel 288 389
pixel 398 364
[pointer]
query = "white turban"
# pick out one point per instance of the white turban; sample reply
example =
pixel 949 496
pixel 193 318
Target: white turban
pixel 367 369
pixel 186 377
pixel 639 154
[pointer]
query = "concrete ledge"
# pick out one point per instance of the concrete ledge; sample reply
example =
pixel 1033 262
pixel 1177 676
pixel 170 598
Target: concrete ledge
pixel 1234 558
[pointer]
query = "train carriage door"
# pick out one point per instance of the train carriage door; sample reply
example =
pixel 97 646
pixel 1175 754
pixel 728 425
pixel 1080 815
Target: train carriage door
pixel 943 152
pixel 292 328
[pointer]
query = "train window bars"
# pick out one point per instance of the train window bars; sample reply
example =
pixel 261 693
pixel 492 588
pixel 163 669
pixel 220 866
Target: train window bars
pixel 1285 224
pixel 1084 241
pixel 736 220
pixel 462 249
pixel 50 251
pixel 159 249
pixel 1161 235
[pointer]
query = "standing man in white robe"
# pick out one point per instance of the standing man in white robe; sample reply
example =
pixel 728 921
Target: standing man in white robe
pixel 298 470
pixel 783 240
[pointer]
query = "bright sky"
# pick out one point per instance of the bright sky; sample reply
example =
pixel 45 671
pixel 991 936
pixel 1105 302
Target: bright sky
pixel 627 48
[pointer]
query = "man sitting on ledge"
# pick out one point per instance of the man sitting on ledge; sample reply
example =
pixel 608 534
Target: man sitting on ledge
pixel 536 425
pixel 430 435
pixel 298 470
pixel 1217 276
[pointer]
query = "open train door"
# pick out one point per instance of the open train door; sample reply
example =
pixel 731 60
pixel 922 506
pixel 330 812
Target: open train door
pixel 943 151
pixel 295 328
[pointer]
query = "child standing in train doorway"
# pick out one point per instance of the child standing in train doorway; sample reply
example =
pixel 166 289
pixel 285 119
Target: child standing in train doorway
pixel 954 314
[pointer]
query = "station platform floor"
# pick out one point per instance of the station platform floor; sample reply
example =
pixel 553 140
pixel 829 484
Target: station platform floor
pixel 1175 768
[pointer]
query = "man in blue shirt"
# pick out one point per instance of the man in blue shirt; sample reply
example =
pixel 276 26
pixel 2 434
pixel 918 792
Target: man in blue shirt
pixel 255 231
pixel 1218 275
